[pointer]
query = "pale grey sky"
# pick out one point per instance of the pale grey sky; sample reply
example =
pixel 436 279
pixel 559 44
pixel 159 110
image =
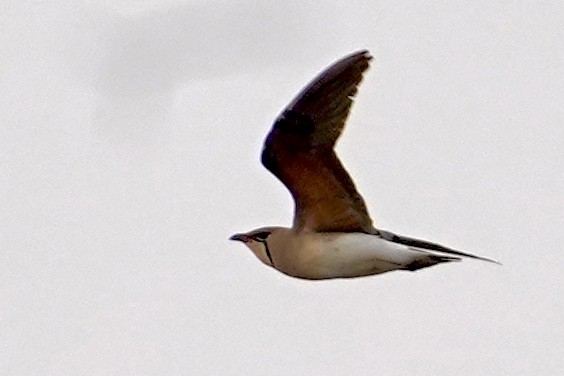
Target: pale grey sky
pixel 129 152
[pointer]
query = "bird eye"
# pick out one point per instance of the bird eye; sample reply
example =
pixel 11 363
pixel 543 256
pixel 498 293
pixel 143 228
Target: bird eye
pixel 261 236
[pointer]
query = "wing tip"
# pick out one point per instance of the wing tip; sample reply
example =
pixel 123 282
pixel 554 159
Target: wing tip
pixel 359 59
pixel 363 56
pixel 361 53
pixel 489 260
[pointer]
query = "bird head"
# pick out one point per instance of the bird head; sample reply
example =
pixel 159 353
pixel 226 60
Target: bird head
pixel 258 242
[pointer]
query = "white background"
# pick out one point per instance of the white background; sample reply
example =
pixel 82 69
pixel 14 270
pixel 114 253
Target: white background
pixel 130 135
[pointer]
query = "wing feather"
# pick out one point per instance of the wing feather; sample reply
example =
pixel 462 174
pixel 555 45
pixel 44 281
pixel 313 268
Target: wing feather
pixel 299 150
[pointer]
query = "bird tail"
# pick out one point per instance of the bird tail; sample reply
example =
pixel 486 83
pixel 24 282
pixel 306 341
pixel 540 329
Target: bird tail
pixel 423 245
pixel 429 260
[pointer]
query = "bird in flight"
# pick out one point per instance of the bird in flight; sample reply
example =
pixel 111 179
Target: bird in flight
pixel 332 234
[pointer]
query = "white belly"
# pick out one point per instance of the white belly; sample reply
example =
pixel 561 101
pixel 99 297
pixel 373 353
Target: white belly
pixel 345 255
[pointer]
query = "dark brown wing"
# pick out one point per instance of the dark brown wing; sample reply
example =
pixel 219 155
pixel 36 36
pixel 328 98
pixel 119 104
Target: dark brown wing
pixel 299 151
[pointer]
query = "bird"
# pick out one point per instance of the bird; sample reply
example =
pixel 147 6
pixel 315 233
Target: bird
pixel 332 235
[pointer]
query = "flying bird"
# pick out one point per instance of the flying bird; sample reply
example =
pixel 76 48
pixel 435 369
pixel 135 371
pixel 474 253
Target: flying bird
pixel 332 234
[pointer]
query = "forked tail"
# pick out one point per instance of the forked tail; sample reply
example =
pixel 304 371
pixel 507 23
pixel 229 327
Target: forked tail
pixel 429 260
pixel 424 245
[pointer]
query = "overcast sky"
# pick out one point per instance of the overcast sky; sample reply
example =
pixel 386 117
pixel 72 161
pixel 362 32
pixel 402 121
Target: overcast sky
pixel 129 152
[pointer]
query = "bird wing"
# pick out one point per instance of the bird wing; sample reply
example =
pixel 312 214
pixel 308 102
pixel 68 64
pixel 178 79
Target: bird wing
pixel 299 150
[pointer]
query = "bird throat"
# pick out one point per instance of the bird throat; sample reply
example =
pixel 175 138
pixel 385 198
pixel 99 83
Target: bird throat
pixel 268 253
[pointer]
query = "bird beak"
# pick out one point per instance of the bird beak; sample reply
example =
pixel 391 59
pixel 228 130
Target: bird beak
pixel 239 237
